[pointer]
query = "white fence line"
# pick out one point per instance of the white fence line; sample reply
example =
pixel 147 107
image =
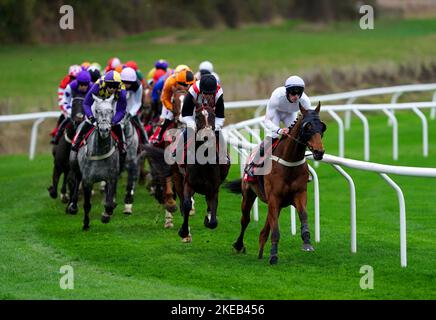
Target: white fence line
pixel 357 109
pixel 351 96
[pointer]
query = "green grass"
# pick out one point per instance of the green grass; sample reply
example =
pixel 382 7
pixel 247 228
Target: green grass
pixel 136 258
pixel 30 74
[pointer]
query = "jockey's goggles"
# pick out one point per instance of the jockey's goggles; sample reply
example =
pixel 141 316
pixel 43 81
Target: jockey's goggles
pixel 112 84
pixel 295 91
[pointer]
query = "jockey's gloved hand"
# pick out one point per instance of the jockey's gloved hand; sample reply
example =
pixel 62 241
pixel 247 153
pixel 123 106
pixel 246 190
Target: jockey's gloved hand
pixel 92 120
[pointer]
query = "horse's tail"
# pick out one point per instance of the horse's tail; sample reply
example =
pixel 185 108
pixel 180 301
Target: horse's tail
pixel 234 186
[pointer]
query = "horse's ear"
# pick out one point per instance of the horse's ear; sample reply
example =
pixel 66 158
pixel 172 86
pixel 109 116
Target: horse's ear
pixel 111 98
pixel 302 110
pixel 318 107
pixel 97 99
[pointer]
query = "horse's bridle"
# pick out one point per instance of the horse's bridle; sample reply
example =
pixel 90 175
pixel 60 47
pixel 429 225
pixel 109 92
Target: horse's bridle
pixel 303 136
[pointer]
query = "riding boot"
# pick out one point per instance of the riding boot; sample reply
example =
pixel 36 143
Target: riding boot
pixel 138 124
pixel 116 128
pixel 258 159
pixel 60 131
pixel 56 129
pixel 80 135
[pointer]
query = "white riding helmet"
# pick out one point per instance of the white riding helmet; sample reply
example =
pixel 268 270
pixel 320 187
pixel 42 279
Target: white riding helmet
pixel 294 81
pixel 206 65
pixel 128 75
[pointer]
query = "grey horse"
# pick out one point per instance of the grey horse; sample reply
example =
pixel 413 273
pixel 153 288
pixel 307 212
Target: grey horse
pixel 98 160
pixel 131 164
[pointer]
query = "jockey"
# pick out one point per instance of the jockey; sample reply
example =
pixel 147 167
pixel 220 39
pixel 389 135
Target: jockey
pixel 159 81
pixel 77 88
pixel 283 106
pixel 94 73
pixel 160 64
pixel 112 64
pixel 134 100
pixel 85 65
pixel 206 67
pixel 182 79
pixel 204 91
pixel 132 64
pixel 73 71
pixel 105 87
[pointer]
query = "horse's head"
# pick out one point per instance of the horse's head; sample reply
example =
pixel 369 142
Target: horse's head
pixel 77 113
pixel 205 117
pixel 104 112
pixel 312 130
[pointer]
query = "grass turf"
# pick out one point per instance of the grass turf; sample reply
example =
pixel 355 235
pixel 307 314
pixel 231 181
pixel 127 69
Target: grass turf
pixel 134 257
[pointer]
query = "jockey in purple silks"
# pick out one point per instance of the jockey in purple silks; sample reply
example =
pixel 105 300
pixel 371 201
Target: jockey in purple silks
pixel 105 87
pixel 77 88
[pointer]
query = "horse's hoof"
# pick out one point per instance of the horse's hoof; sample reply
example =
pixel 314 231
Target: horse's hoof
pixel 260 255
pixel 85 228
pixel 187 239
pixel 168 225
pixel 65 198
pixel 171 205
pixel 273 259
pixel 192 212
pixel 307 247
pixel 127 208
pixel 210 225
pixel 52 192
pixel 239 248
pixel 183 233
pixel 105 218
pixel 72 209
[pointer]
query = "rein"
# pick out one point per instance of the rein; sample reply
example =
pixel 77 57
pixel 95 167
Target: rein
pixel 103 156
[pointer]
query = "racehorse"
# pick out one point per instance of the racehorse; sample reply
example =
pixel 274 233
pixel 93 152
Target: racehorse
pixel 98 160
pixel 160 170
pixel 131 163
pixel 203 177
pixel 286 183
pixel 61 152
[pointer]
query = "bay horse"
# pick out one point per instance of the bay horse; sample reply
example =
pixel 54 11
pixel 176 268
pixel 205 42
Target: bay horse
pixel 61 152
pixel 162 176
pixel 98 160
pixel 286 184
pixel 203 177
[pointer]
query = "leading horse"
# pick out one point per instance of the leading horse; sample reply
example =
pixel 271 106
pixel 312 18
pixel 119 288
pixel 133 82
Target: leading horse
pixel 98 160
pixel 286 183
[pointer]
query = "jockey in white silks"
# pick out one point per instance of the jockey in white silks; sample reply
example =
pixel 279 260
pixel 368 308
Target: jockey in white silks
pixel 283 106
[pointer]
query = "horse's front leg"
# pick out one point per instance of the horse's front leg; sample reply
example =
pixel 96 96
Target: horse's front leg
pixel 87 189
pixel 184 231
pixel 109 205
pixel 132 175
pixel 64 195
pixel 300 201
pixel 210 220
pixel 273 220
pixel 76 178
pixel 53 189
